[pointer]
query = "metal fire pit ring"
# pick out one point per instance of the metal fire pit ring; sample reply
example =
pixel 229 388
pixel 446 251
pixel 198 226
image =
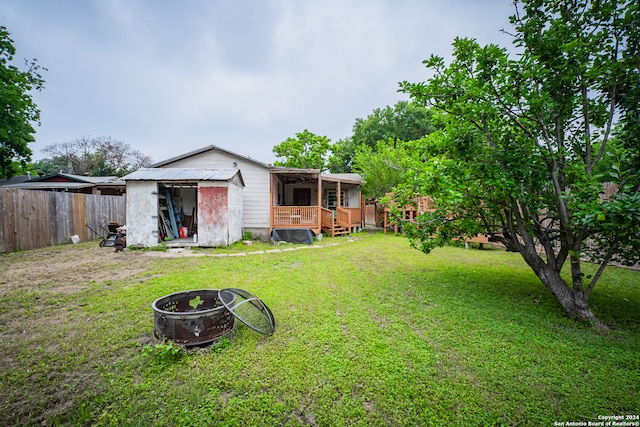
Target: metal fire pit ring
pixel 191 318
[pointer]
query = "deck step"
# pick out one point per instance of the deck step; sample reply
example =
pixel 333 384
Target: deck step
pixel 337 231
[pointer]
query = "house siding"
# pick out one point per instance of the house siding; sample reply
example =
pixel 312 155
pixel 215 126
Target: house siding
pixel 255 196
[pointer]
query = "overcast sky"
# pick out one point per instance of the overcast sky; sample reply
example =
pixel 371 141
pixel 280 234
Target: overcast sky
pixel 168 77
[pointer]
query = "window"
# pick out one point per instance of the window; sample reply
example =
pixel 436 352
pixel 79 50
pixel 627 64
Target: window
pixel 332 199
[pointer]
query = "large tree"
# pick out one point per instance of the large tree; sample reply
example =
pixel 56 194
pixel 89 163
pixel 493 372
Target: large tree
pixel 522 138
pixel 101 156
pixel 402 122
pixel 17 109
pixel 384 167
pixel 307 150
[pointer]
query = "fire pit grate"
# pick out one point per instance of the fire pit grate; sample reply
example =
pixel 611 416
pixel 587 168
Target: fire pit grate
pixel 191 318
pixel 201 316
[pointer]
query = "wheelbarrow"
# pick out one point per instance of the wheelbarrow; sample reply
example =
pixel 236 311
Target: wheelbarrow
pixel 108 234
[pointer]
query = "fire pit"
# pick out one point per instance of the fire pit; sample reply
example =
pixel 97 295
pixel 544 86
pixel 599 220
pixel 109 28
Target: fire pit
pixel 192 317
pixel 200 317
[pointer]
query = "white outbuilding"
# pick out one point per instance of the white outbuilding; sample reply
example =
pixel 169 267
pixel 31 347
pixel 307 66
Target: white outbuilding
pixel 199 207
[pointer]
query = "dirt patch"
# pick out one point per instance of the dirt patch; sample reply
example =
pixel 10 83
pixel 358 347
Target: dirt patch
pixel 40 320
pixel 68 266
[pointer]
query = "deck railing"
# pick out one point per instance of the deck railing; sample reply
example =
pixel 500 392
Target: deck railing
pixel 343 217
pixel 295 216
pixel 327 218
pixel 356 217
pixel 314 217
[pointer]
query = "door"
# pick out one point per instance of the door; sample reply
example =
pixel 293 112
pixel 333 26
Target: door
pixel 301 197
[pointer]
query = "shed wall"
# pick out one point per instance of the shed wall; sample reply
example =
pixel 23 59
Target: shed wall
pixel 142 213
pixel 220 213
pixel 212 214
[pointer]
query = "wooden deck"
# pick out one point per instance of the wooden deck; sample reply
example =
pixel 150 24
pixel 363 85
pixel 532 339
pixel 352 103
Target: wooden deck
pixel 409 213
pixel 317 219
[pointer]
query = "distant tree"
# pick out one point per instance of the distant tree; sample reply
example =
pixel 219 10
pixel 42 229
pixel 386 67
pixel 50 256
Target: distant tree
pixel 385 167
pixel 47 166
pixel 17 109
pixel 402 122
pixel 341 158
pixel 112 157
pixel 524 137
pixel 102 156
pixel 307 150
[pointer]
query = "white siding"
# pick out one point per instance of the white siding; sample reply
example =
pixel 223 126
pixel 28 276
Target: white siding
pixel 353 197
pixel 236 214
pixel 255 194
pixel 142 213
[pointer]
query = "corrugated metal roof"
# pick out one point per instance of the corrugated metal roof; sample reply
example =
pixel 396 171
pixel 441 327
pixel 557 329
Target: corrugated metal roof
pixel 181 174
pixel 29 185
pixel 78 178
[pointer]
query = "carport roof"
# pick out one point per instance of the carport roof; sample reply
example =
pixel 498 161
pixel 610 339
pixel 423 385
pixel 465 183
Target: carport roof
pixel 30 185
pixel 183 174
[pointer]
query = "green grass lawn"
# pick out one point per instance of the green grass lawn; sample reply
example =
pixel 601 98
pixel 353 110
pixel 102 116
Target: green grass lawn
pixel 369 332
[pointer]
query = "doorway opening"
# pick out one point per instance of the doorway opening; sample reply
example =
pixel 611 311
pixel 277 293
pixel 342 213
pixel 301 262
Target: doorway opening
pixel 177 211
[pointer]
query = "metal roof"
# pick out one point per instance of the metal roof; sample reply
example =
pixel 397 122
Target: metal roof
pixel 209 148
pixel 30 185
pixel 182 174
pixel 353 178
pixel 78 178
pixel 293 175
pixel 18 179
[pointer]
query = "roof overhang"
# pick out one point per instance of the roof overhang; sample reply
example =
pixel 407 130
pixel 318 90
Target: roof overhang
pixel 205 149
pixel 183 175
pixel 295 175
pixel 50 185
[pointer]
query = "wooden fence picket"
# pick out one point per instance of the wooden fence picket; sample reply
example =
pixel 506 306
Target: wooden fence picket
pixel 32 219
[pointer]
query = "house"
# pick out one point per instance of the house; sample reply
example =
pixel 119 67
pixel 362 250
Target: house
pixel 101 185
pixel 255 174
pixel 307 198
pixel 198 206
pixel 284 198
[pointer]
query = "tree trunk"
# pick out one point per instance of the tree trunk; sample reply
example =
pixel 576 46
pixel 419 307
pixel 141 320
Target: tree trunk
pixel 573 301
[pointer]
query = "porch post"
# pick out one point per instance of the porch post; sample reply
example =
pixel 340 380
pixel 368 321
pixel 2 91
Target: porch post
pixel 338 196
pixel 271 185
pixel 319 208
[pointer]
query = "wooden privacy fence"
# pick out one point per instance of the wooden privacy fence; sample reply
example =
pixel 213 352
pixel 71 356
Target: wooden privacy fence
pixel 32 219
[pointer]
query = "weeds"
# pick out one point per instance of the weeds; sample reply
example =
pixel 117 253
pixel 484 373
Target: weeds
pixel 163 353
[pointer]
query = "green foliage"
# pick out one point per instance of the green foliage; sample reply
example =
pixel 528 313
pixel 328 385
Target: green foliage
pixel 307 151
pixel 18 110
pixel 341 158
pixel 522 138
pixel 222 344
pixel 163 353
pixel 385 167
pixel 401 123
